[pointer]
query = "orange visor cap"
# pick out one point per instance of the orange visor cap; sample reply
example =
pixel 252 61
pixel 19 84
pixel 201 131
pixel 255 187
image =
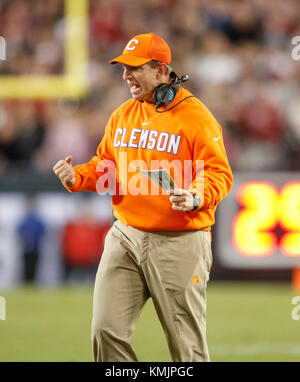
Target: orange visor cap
pixel 144 48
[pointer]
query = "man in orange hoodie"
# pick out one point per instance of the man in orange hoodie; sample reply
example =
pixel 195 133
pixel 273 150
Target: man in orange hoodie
pixel 160 243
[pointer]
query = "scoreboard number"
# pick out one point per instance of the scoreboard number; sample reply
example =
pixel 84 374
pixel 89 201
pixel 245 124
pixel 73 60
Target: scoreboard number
pixel 265 207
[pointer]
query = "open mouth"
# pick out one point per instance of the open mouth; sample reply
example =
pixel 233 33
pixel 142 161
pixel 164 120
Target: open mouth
pixel 134 87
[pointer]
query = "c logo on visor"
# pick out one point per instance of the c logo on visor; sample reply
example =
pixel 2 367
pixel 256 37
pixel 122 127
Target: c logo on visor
pixel 130 45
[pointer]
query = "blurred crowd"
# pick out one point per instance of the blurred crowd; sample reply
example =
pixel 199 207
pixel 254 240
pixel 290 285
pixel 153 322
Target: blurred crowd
pixel 80 245
pixel 237 53
pixel 50 238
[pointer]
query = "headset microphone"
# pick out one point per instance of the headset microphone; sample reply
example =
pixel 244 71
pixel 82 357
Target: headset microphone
pixel 184 78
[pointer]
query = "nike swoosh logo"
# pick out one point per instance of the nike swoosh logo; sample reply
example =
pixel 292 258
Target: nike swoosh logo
pixel 217 138
pixel 146 123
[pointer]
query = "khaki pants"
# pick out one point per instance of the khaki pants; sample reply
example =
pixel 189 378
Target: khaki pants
pixel 170 267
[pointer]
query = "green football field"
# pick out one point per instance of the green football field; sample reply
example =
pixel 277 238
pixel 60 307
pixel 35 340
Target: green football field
pixel 246 322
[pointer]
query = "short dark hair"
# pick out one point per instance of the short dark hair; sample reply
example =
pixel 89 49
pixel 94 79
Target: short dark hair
pixel 154 64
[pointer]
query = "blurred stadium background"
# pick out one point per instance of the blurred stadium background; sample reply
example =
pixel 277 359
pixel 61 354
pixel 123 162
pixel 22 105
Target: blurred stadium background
pixel 57 91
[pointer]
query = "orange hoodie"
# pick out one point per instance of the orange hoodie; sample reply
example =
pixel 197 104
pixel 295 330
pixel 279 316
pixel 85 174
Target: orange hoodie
pixel 180 140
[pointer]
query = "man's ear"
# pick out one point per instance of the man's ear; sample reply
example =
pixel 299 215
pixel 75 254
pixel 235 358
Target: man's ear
pixel 161 70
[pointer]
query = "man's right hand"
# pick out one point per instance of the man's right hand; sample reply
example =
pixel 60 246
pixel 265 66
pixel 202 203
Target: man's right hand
pixel 64 171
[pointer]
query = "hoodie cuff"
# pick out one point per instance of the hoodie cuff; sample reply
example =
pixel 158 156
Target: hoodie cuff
pixel 76 187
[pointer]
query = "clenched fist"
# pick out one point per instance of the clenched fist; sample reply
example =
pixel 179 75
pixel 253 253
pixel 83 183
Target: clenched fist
pixel 64 170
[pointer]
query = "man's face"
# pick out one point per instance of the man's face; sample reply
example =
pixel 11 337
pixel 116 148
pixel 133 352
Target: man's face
pixel 141 81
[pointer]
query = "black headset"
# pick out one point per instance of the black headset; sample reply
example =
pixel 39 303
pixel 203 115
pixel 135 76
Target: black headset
pixel 164 93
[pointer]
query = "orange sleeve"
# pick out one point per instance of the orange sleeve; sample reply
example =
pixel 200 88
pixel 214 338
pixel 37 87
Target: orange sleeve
pixel 86 174
pixel 213 177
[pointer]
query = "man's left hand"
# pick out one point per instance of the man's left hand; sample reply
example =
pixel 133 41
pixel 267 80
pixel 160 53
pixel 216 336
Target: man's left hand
pixel 182 200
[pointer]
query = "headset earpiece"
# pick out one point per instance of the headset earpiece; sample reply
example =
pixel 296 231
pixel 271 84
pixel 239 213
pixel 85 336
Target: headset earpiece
pixel 164 94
